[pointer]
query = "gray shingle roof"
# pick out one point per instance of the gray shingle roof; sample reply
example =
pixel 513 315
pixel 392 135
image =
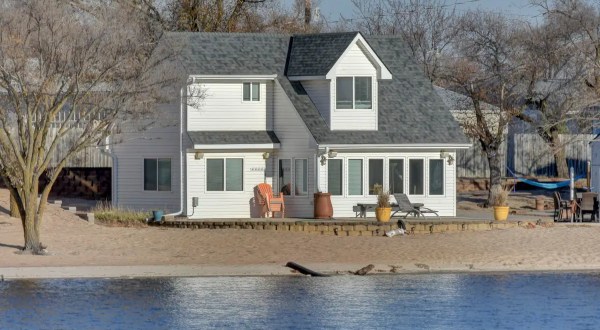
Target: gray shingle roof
pixel 315 54
pixel 409 109
pixel 233 137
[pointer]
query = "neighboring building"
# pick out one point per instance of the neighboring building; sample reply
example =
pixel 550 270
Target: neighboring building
pixel 595 175
pixel 333 112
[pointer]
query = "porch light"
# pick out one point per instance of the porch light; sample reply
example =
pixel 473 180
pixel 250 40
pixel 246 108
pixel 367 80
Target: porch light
pixel 266 155
pixel 198 155
pixel 323 160
pixel 450 160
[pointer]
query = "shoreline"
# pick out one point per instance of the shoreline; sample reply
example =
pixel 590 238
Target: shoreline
pixel 176 271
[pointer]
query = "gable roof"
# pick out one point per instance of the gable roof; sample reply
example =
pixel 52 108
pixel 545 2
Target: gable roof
pixel 315 54
pixel 410 112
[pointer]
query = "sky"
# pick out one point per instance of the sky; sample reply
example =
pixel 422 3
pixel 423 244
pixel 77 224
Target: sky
pixel 518 9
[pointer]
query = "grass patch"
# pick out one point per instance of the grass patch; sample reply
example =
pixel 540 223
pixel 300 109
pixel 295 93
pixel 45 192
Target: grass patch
pixel 105 214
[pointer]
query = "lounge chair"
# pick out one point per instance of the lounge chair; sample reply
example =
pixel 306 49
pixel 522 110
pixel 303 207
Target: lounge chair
pixel 588 204
pixel 405 206
pixel 271 203
pixel 561 207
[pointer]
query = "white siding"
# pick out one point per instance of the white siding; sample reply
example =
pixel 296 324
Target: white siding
pixel 595 167
pixel 354 62
pixel 226 204
pixel 319 93
pixel 296 143
pixel 223 109
pixel 342 205
pixel 159 142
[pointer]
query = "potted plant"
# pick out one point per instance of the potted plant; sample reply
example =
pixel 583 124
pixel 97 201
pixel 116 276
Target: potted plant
pixel 383 211
pixel 500 203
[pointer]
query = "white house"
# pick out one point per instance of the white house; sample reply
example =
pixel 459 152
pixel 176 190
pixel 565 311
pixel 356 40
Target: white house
pixel 336 112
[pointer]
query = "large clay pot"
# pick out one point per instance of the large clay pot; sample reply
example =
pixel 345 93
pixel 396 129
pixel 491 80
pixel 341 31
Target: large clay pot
pixel 322 206
pixel 501 213
pixel 383 214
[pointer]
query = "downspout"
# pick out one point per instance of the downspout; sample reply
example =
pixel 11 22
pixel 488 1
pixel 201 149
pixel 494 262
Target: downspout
pixel 115 175
pixel 181 153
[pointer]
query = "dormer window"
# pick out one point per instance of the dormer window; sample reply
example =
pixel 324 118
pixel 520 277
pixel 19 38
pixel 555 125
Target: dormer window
pixel 251 92
pixel 353 93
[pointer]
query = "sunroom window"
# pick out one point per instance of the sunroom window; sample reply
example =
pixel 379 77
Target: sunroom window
pixel 436 177
pixel 225 174
pixel 354 93
pixel 415 176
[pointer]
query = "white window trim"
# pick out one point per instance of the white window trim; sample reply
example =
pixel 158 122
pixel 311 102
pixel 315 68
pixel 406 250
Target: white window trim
pixel 383 177
pixel 259 92
pixel 364 176
pixel 144 174
pixel 293 192
pixel 224 191
pixel 354 109
pixel 443 177
pixel 404 170
pixel 425 174
pixel 343 194
pixel 293 177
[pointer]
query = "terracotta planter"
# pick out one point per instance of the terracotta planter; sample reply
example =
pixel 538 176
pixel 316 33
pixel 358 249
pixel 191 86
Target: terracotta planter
pixel 501 213
pixel 383 214
pixel 539 204
pixel 322 206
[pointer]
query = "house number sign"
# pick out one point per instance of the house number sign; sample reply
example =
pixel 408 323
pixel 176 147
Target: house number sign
pixel 257 169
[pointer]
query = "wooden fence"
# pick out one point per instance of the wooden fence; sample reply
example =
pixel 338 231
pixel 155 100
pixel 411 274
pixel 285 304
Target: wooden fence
pixel 526 155
pixel 89 157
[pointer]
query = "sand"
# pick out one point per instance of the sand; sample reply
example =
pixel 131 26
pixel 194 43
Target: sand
pixel 80 249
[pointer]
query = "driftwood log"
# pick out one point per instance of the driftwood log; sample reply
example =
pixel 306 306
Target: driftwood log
pixel 303 269
pixel 364 270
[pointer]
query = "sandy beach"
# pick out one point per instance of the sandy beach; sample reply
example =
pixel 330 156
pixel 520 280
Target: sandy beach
pixel 80 249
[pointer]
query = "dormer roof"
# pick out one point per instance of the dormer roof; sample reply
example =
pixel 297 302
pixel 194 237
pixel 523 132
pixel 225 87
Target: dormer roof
pixel 316 55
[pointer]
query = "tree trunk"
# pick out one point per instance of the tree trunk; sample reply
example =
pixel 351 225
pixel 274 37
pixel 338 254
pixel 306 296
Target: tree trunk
pixel 14 207
pixel 495 174
pixel 30 218
pixel 560 157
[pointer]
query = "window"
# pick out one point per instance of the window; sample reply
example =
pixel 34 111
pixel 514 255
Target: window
pixel 301 177
pixel 396 177
pixel 436 177
pixel 285 176
pixel 225 174
pixel 375 175
pixel 415 176
pixel 334 176
pixel 157 174
pixel 251 91
pixel 353 93
pixel 355 177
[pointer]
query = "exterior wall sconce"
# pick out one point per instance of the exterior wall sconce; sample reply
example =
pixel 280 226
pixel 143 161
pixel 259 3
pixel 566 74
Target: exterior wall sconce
pixel 266 155
pixel 198 155
pixel 446 155
pixel 323 160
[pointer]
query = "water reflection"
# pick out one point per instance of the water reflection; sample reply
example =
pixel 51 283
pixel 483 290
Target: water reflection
pixel 399 301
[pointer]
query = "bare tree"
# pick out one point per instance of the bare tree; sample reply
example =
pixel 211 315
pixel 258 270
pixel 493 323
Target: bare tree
pixel 428 27
pixel 484 67
pixel 89 69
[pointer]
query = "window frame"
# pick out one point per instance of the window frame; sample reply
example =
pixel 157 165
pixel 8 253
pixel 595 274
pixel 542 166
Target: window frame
pixel 404 171
pixel 424 176
pixel 347 172
pixel 157 174
pixel 342 181
pixel 293 176
pixel 206 191
pixel 443 177
pixel 353 108
pixel 383 185
pixel 251 83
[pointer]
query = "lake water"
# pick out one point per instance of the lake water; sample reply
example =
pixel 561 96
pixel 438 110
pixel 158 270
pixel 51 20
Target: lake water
pixel 436 301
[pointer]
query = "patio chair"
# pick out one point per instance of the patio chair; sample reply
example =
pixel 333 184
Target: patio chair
pixel 561 207
pixel 404 205
pixel 588 204
pixel 271 203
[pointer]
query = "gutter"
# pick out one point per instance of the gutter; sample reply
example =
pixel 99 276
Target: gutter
pixel 397 146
